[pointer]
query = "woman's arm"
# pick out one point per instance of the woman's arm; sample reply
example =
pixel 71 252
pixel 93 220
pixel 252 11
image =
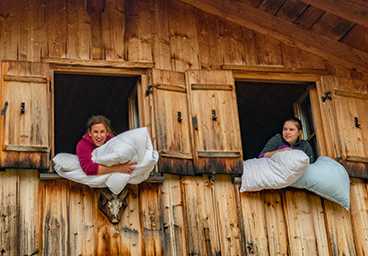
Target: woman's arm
pixel 269 154
pixel 122 168
pixel 272 146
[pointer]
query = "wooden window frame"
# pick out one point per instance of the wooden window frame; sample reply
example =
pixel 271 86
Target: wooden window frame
pixel 277 75
pixel 105 68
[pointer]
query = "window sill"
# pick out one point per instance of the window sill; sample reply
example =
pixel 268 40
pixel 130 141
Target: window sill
pixel 53 176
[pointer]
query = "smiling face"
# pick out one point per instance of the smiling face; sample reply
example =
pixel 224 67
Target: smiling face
pixel 290 132
pixel 98 134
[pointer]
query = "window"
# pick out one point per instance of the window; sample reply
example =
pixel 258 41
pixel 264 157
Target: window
pixel 263 108
pixel 78 97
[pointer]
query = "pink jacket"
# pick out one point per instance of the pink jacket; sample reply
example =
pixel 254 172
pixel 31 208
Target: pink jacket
pixel 84 152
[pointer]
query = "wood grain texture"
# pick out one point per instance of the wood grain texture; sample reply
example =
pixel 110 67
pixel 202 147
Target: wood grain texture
pixel 339 228
pixel 29 213
pixel 79 35
pixel 284 31
pixel 56 28
pixel 214 134
pixel 175 241
pixel 358 214
pixel 9 196
pixel 112 30
pixel 231 43
pixel 29 128
pixel 333 140
pixel 172 135
pixel 160 34
pixel 303 235
pixel 208 33
pixel 332 26
pixel 33 33
pixel 138 31
pixel 268 50
pixel 81 219
pixel 183 36
pixel 295 58
pixel 355 10
pixel 151 218
pixel 55 227
pixel 348 108
pixel 276 222
pixel 200 216
pixel 252 210
pixel 130 226
pixel 227 216
pixel 10 30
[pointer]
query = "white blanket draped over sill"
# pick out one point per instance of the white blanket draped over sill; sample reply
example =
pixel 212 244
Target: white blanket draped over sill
pixel 325 177
pixel 133 145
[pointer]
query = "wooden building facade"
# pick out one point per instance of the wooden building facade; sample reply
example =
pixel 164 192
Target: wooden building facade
pixel 212 80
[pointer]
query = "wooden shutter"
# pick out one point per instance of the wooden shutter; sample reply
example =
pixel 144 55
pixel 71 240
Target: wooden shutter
pixel 172 122
pixel 215 122
pixel 347 109
pixel 24 102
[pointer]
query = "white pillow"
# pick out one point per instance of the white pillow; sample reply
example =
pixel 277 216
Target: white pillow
pixel 134 145
pixel 66 162
pixel 327 178
pixel 279 171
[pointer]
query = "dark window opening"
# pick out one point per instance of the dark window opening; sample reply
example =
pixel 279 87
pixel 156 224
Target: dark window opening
pixel 78 97
pixel 263 108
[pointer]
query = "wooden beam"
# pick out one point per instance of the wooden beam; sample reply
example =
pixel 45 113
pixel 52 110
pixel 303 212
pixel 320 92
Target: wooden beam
pixel 286 32
pixel 99 63
pixel 170 87
pixel 218 154
pixel 350 94
pixel 25 79
pixel 25 148
pixel 358 159
pixel 274 69
pixel 216 87
pixel 81 70
pixel 52 176
pixel 174 154
pixel 352 10
pixel 272 76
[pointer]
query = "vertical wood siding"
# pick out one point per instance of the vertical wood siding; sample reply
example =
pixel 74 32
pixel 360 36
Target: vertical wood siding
pixel 185 215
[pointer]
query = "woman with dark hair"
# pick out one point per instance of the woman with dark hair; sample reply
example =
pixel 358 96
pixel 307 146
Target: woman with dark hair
pixel 99 131
pixel 289 140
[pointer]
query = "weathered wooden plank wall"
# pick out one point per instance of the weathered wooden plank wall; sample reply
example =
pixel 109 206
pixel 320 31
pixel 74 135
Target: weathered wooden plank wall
pixel 185 215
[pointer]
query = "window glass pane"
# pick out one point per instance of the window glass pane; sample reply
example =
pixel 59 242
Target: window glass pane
pixel 306 117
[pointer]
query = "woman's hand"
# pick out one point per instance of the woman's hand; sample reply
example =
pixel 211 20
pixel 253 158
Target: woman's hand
pixel 122 168
pixel 127 167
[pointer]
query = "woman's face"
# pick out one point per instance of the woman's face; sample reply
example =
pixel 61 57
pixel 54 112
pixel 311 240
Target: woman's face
pixel 290 132
pixel 98 134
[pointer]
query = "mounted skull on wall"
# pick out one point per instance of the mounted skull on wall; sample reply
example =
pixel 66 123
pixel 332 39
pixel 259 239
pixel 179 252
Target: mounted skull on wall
pixel 113 205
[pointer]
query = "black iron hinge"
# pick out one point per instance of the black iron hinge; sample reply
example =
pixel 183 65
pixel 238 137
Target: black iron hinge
pixel 149 89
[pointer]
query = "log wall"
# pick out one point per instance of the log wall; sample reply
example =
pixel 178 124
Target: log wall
pixel 184 215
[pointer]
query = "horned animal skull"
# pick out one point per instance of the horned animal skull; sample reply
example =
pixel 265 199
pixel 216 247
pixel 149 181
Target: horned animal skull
pixel 113 205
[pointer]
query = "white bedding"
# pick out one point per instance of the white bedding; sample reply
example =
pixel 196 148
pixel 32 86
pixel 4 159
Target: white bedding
pixel 278 171
pixel 134 145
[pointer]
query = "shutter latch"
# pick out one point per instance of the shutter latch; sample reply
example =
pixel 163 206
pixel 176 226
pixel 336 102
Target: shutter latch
pixel 4 109
pixel 195 123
